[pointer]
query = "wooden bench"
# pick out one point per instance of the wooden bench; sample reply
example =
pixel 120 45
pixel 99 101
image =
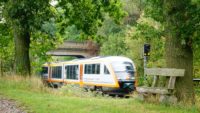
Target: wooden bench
pixel 166 92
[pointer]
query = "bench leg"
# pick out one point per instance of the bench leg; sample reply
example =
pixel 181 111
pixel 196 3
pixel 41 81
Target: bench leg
pixel 173 99
pixel 163 98
pixel 168 99
pixel 141 96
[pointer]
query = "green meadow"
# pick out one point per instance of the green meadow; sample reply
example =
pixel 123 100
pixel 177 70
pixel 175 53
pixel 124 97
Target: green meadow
pixel 34 97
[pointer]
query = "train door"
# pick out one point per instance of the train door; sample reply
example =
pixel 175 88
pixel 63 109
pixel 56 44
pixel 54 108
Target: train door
pixel 81 74
pixel 108 76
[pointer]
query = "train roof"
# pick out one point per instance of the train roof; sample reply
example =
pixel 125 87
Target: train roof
pixel 103 58
pixel 97 59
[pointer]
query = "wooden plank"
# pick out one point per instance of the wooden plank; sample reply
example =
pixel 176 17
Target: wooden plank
pixel 196 79
pixel 164 71
pixel 155 81
pixel 156 90
pixel 171 83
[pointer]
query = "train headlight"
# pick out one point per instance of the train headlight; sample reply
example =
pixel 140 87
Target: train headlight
pixel 128 77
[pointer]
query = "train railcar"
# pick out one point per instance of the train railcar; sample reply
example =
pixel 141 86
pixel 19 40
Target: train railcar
pixel 112 74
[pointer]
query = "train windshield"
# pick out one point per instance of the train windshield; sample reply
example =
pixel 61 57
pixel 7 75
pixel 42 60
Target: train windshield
pixel 129 66
pixel 122 69
pixel 44 70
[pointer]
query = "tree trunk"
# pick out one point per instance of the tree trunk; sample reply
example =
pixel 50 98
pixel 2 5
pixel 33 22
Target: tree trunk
pixel 179 55
pixel 22 44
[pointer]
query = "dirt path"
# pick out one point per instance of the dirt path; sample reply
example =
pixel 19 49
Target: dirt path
pixel 9 106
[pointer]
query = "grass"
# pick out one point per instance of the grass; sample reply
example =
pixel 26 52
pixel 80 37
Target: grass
pixel 37 98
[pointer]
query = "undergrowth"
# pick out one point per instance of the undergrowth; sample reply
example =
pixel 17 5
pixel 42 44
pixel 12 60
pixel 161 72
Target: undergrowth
pixel 31 92
pixel 33 83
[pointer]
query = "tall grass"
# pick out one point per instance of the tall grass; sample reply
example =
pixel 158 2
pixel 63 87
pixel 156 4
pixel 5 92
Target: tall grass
pixel 76 91
pixel 31 92
pixel 31 83
pixel 35 84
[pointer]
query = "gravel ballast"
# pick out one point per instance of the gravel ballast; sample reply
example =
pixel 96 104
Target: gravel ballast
pixel 9 106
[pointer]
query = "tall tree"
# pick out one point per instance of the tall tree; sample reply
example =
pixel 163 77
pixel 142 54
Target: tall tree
pixel 25 17
pixel 179 18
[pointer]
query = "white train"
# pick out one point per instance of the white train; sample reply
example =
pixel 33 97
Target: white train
pixel 112 74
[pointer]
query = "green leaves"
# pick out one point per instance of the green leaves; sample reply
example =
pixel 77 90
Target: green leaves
pixel 183 15
pixel 7 49
pixel 28 14
pixel 45 22
pixel 153 9
pixel 88 15
pixel 115 45
pixel 49 28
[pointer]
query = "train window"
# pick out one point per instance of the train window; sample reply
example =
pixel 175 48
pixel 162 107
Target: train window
pixel 129 66
pixel 106 71
pixel 72 72
pixel 44 70
pixel 122 66
pixel 57 72
pixel 98 68
pixel 92 69
pixel 89 69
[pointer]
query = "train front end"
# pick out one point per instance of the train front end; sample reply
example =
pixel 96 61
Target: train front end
pixel 125 72
pixel 45 73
